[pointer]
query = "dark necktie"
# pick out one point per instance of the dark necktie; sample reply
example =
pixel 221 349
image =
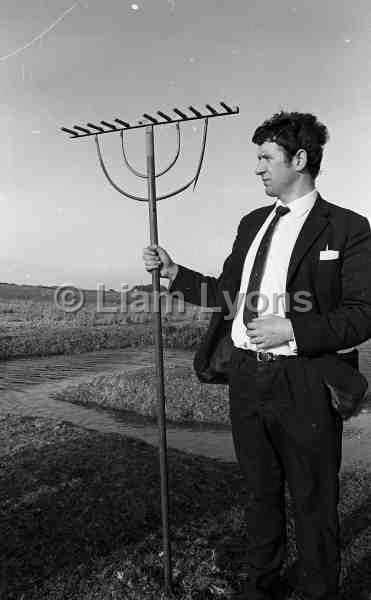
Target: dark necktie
pixel 256 275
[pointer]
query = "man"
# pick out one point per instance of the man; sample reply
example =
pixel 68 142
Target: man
pixel 304 276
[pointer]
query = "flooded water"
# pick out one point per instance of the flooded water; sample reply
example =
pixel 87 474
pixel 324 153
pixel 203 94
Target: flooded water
pixel 27 386
pixel 19 374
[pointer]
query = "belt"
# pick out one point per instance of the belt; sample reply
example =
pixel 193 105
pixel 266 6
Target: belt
pixel 262 356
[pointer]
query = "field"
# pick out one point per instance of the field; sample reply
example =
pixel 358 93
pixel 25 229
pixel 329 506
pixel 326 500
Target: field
pixel 187 400
pixel 31 324
pixel 80 513
pixel 80 510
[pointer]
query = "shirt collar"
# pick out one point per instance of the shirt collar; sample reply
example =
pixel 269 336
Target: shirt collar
pixel 300 206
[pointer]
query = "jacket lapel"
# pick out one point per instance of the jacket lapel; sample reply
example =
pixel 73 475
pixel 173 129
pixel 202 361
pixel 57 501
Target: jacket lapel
pixel 252 227
pixel 312 228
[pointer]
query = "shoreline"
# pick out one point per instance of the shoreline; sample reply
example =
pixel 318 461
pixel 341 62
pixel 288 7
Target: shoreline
pixel 188 402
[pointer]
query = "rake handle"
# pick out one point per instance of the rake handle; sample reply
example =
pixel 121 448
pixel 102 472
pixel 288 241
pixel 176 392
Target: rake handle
pixel 161 411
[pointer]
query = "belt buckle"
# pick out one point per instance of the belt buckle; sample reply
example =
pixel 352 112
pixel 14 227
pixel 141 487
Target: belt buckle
pixel 262 356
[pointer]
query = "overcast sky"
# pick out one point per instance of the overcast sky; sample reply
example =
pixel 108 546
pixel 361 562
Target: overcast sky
pixel 63 63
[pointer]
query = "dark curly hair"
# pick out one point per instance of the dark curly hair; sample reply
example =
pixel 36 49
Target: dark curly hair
pixel 295 131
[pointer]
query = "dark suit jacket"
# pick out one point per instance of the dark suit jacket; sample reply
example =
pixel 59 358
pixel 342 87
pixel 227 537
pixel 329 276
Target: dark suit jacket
pixel 339 291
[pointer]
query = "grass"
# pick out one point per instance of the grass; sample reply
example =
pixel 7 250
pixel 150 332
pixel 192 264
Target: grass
pixel 187 400
pixel 81 514
pixel 80 518
pixel 46 341
pixel 32 325
pixel 33 313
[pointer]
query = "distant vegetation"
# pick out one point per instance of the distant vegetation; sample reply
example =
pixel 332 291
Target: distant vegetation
pixel 43 341
pixel 32 325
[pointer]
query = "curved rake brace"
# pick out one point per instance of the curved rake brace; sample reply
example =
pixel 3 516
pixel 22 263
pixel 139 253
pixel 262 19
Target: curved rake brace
pixel 110 178
pixel 143 175
pixel 203 148
pixel 199 167
pixel 170 195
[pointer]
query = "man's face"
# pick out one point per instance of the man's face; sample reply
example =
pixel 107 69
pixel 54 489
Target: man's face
pixel 277 173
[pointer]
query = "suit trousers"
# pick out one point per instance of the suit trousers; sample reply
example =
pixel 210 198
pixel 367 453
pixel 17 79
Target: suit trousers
pixel 285 430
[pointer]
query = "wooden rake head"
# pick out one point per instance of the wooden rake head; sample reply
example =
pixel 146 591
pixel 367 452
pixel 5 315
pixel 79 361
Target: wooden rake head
pixel 162 118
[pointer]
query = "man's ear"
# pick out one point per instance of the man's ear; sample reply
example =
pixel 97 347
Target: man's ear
pixel 300 160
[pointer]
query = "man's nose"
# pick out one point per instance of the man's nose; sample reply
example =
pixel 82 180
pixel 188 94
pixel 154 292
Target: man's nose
pixel 259 169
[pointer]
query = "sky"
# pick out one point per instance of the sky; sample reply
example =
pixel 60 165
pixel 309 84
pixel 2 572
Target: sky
pixel 65 63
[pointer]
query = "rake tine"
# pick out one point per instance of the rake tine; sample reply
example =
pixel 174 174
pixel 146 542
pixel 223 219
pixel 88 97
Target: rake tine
pixel 180 113
pixel 227 108
pixel 164 116
pixel 81 129
pixel 69 131
pixel 108 125
pixel 195 111
pixel 92 126
pixel 211 109
pixel 124 123
pixel 152 119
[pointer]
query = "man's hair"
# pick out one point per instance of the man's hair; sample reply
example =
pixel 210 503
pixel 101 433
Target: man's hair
pixel 295 131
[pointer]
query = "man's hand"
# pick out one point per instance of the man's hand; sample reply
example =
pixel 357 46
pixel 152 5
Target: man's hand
pixel 269 330
pixel 155 257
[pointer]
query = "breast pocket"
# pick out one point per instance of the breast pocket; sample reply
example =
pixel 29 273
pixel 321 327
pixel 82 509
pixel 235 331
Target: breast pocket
pixel 328 282
pixel 329 266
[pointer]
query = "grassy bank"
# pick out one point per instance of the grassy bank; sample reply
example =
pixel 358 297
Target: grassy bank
pixel 32 323
pixel 46 341
pixel 80 518
pixel 187 400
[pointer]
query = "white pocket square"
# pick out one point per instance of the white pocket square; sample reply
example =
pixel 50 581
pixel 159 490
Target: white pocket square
pixel 328 254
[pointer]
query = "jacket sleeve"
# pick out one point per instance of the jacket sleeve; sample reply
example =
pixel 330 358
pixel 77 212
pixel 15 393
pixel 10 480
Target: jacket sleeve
pixel 349 324
pixel 204 290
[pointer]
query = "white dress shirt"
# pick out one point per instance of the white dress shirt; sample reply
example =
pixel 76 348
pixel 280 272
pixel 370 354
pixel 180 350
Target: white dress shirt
pixel 273 284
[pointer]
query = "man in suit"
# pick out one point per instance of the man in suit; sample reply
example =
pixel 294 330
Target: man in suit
pixel 292 301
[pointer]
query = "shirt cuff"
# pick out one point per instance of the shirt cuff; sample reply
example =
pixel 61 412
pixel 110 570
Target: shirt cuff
pixel 293 347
